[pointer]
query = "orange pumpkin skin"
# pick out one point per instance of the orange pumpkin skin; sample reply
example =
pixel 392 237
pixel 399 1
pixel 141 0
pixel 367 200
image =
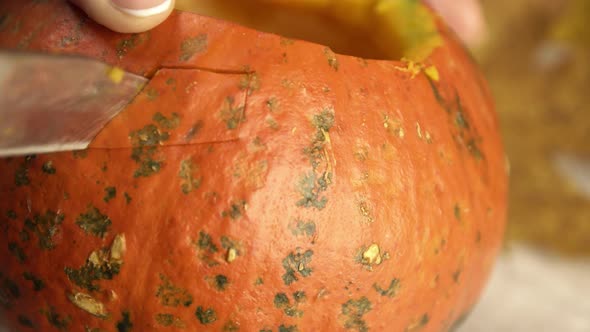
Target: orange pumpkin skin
pixel 255 184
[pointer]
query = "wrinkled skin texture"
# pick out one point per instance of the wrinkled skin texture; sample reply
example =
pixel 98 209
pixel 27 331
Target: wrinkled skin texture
pixel 258 183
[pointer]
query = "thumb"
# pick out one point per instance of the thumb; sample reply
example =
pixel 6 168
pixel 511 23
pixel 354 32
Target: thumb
pixel 127 15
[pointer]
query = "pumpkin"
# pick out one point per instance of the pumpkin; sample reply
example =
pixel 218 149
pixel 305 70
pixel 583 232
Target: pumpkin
pixel 259 182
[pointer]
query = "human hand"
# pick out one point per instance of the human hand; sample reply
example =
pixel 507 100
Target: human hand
pixel 127 15
pixel 464 16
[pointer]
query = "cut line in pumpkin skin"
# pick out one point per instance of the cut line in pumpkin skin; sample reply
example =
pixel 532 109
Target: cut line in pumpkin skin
pixel 416 29
pixel 159 76
pixel 193 67
pixel 349 27
pixel 410 27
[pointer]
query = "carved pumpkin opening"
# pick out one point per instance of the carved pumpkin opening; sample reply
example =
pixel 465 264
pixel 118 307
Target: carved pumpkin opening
pixel 381 29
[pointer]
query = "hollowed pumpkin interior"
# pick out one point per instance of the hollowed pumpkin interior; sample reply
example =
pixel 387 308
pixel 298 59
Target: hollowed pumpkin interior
pixel 375 29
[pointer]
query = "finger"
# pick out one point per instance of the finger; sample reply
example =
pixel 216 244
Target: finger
pixel 127 15
pixel 465 17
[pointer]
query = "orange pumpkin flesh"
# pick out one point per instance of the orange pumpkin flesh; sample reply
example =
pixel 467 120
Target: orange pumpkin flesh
pixel 256 183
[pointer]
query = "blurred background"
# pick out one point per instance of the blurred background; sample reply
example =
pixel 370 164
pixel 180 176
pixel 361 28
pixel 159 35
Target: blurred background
pixel 536 57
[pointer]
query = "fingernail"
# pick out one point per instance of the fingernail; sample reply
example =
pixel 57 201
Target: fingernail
pixel 142 8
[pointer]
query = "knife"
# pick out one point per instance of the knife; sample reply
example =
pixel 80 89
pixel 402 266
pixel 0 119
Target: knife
pixel 51 103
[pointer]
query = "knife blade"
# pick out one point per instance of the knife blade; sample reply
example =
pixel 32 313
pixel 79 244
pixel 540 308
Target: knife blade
pixel 51 103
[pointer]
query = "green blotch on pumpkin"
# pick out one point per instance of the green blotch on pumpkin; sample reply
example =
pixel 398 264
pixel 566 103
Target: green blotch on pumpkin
pixel 249 81
pixel 165 319
pixel 311 188
pixel 332 59
pixel 206 248
pixel 464 137
pixel 354 310
pixel 86 276
pixel 80 154
pixel 145 142
pixel 221 282
pixel 231 114
pixel 10 214
pixel 171 295
pixel 45 226
pixel 390 291
pixel 455 107
pixel 206 243
pixel 152 94
pixel 169 320
pixel 109 193
pixel 75 34
pixel 273 104
pixel 323 121
pixel 94 222
pixel 232 248
pixel 147 165
pixel 169 123
pixel 474 150
pixel 24 236
pixel 48 167
pixel 235 211
pixel 125 324
pixel 129 43
pixel 296 263
pixel 25 321
pixel 128 198
pixel 457 211
pixel 460 120
pixel 96 268
pixel 205 316
pixel 419 324
pixel 312 184
pixel 56 320
pixel 290 328
pixel 299 296
pixel 37 283
pixel 437 95
pixel 191 46
pixel 194 130
pixel 186 173
pixel 228 243
pixel 17 252
pixel 9 292
pixel 3 20
pixel 281 301
pixel 21 176
pixel 304 228
pixel 272 123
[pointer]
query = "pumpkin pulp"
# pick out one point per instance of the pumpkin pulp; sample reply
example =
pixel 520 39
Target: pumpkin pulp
pixel 375 29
